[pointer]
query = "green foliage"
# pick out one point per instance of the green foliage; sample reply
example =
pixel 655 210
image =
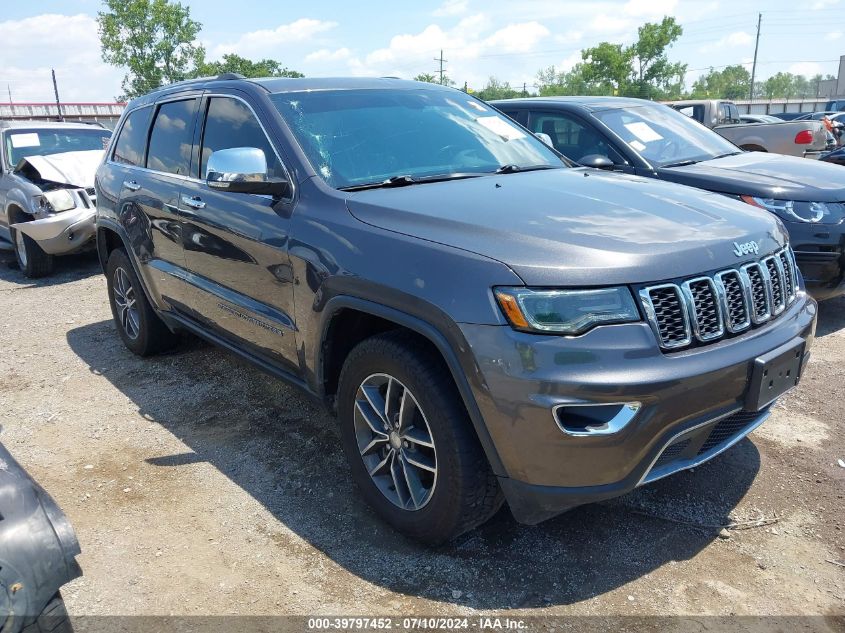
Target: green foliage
pixel 642 69
pixel 732 82
pixel 496 89
pixel 232 63
pixel 428 78
pixel 154 39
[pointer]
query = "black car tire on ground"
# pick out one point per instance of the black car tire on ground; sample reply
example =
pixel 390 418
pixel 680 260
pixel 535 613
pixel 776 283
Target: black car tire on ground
pixel 465 492
pixel 53 619
pixel 32 260
pixel 140 328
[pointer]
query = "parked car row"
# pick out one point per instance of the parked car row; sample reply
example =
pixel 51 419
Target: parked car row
pixel 543 309
pixel 648 139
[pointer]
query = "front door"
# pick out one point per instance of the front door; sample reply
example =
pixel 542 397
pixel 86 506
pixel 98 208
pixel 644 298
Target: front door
pixel 236 244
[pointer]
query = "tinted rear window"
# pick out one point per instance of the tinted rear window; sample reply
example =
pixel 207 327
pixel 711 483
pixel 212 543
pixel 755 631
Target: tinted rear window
pixel 131 143
pixel 171 137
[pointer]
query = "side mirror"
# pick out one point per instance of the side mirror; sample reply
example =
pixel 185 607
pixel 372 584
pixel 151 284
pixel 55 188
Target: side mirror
pixel 242 170
pixel 597 161
pixel 545 138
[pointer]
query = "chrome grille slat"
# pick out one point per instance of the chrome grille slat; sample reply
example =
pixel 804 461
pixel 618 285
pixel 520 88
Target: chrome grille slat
pixel 705 308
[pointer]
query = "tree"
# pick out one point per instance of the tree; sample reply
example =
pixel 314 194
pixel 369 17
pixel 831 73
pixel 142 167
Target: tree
pixel 732 82
pixel 655 75
pixel 154 39
pixel 428 78
pixel 781 85
pixel 496 89
pixel 232 63
pixel 642 69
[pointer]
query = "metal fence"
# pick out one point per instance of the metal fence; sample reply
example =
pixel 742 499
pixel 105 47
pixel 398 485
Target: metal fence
pixel 105 113
pixel 773 106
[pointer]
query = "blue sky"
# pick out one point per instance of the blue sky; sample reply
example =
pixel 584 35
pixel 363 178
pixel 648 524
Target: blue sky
pixel 510 40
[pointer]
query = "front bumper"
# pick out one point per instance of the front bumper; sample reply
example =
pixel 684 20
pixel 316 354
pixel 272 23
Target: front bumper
pixel 820 255
pixel 62 233
pixel 523 377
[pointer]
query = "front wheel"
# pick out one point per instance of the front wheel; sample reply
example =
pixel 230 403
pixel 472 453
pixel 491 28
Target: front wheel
pixel 32 260
pixel 410 444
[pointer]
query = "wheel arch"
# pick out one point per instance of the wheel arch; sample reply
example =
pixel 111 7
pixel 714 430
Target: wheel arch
pixel 753 147
pixel 371 318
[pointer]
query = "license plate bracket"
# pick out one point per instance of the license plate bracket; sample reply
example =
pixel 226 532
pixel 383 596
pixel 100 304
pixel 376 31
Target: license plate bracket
pixel 773 374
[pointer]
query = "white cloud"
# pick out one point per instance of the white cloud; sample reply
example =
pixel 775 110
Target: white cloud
pixel 269 42
pixel 603 23
pixel 650 8
pixel 733 40
pixel 68 43
pixel 451 7
pixel 517 37
pixel 818 5
pixel 833 35
pixel 328 55
pixel 805 68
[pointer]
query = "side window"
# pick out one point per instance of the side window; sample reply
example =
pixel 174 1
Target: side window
pixel 171 137
pixel 230 123
pixel 692 111
pixel 573 139
pixel 520 116
pixel 131 144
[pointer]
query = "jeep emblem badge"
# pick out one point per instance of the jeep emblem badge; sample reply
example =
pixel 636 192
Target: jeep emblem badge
pixel 745 248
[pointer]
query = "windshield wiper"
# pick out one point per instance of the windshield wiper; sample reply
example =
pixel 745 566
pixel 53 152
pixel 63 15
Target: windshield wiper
pixel 512 169
pixel 728 154
pixel 404 180
pixel 681 163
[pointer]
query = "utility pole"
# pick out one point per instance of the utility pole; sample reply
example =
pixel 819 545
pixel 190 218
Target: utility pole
pixel 524 89
pixel 56 90
pixel 9 88
pixel 441 60
pixel 756 46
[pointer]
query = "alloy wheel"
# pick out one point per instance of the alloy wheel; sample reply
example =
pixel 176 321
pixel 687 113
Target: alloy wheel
pixel 395 441
pixel 125 302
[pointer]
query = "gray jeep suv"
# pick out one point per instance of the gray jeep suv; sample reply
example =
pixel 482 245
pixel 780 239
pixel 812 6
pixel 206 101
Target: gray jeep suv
pixel 488 322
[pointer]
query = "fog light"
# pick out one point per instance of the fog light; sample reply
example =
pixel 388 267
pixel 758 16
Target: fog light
pixel 594 419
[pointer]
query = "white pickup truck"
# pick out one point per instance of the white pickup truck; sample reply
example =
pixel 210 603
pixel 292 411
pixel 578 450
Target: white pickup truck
pixel 796 138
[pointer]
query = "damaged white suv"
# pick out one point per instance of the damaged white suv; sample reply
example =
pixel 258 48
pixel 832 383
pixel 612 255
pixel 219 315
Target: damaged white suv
pixel 47 200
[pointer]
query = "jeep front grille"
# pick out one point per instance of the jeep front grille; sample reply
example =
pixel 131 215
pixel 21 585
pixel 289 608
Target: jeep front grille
pixel 730 301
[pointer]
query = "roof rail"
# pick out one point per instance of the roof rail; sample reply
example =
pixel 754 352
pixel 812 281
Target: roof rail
pixel 195 80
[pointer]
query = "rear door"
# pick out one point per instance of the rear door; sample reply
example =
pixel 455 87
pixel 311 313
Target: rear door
pixel 236 244
pixel 153 156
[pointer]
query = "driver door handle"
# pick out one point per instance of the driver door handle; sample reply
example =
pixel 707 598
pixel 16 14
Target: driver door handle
pixel 131 185
pixel 194 203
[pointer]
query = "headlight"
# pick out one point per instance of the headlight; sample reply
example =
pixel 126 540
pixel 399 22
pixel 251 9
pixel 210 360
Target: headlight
pixel 566 311
pixel 56 201
pixel 812 212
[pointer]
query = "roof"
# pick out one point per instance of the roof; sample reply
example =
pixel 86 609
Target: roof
pixel 42 125
pixel 300 84
pixel 588 103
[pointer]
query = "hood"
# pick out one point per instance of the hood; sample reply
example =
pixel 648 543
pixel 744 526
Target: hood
pixel 576 226
pixel 764 175
pixel 68 168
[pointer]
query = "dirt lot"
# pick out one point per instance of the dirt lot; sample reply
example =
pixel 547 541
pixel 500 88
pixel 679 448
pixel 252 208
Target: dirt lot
pixel 198 485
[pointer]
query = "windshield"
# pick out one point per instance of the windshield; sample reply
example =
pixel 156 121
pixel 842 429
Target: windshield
pixel 23 143
pixel 663 136
pixel 356 137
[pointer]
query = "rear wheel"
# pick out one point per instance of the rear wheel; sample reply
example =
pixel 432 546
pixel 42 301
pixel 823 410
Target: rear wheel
pixel 410 445
pixel 140 328
pixel 32 260
pixel 53 619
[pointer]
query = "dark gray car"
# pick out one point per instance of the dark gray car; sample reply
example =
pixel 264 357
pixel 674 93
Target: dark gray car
pixel 488 323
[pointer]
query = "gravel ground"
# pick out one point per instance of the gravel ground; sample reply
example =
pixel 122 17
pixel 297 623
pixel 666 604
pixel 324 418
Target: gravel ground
pixel 199 486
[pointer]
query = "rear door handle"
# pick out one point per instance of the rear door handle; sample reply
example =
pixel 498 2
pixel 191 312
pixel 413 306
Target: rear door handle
pixel 131 185
pixel 194 203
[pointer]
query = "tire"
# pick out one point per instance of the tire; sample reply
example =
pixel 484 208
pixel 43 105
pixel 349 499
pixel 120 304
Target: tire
pixel 140 328
pixel 53 619
pixel 462 493
pixel 32 260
